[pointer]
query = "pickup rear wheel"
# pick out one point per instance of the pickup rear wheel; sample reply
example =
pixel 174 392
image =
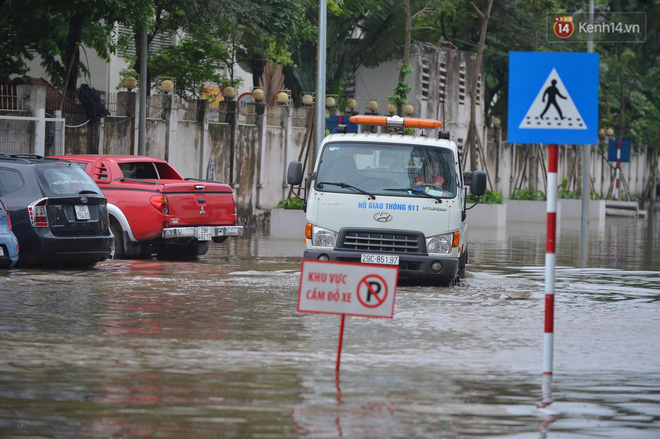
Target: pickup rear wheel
pixel 119 240
pixel 189 251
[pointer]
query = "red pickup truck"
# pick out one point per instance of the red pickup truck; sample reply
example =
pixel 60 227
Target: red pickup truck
pixel 153 209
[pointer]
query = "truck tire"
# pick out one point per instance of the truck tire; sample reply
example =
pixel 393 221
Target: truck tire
pixel 462 262
pixel 119 240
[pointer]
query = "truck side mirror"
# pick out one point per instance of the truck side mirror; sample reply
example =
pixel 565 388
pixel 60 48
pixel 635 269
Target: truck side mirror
pixel 294 173
pixel 478 183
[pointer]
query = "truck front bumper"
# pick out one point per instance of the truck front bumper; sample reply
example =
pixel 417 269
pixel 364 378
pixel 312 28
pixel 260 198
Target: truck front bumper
pixel 202 233
pixel 413 267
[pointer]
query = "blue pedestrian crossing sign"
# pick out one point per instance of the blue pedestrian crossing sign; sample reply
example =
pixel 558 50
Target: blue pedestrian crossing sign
pixel 553 98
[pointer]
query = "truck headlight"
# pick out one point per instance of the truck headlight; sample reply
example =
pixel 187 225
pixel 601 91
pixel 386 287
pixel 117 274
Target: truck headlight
pixel 440 243
pixel 322 237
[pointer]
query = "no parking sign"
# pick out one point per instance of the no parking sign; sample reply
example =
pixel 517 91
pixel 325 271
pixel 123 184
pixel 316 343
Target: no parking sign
pixel 347 288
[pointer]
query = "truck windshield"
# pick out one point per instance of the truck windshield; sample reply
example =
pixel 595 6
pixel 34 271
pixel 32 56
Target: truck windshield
pixel 388 169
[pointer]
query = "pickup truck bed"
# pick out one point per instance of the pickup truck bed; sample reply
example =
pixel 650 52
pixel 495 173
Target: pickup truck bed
pixel 153 209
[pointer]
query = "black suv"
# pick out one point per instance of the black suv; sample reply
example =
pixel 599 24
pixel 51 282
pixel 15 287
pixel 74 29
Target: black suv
pixel 58 213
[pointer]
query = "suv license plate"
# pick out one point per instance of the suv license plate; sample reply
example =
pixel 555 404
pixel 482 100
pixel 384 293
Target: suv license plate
pixel 204 233
pixel 82 212
pixel 368 258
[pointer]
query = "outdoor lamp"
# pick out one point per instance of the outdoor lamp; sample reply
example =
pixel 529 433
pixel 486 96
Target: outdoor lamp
pixel 130 82
pixel 307 99
pixel 258 94
pixel 229 92
pixel 609 132
pixel 391 108
pixel 408 110
pixel 330 102
pixel 351 104
pixel 372 106
pixel 167 86
pixel 283 98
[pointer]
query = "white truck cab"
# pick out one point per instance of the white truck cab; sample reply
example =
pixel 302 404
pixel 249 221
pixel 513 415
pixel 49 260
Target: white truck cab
pixel 389 198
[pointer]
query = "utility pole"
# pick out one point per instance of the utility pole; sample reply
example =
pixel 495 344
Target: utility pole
pixel 320 79
pixel 144 84
pixel 585 168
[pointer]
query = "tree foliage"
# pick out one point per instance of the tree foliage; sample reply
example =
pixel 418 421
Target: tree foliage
pixel 215 35
pixel 56 30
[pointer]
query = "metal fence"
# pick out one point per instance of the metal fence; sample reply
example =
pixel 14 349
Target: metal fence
pixel 9 99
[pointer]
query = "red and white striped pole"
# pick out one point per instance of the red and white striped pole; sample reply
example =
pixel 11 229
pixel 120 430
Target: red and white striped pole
pixel 618 169
pixel 550 262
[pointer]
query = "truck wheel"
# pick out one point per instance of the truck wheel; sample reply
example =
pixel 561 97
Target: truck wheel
pixel 119 240
pixel 462 262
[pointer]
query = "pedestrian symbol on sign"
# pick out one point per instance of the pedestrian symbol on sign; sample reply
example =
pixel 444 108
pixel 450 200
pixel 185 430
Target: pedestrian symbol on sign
pixel 372 291
pixel 547 113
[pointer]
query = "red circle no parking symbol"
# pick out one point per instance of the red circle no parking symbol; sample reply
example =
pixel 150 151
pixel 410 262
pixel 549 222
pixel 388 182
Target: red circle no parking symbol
pixel 372 291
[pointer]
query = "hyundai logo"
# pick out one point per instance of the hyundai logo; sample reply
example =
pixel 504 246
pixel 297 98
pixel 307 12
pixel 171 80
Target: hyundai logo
pixel 383 217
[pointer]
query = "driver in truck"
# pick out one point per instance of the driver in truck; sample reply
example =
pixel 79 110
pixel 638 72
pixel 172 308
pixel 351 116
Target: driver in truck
pixel 429 176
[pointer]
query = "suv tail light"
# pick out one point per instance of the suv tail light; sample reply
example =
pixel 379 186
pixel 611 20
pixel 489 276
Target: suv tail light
pixel 160 203
pixel 38 214
pixel 8 216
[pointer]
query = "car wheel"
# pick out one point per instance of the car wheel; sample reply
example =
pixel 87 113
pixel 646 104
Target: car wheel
pixel 119 240
pixel 202 248
pixel 183 252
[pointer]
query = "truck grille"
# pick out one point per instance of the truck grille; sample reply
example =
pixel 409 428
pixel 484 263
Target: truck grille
pixel 381 241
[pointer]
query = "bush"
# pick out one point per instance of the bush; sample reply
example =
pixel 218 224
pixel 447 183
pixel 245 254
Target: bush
pixel 528 194
pixel 291 203
pixel 490 197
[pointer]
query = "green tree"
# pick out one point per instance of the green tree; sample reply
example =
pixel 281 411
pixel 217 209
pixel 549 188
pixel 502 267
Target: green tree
pixel 57 30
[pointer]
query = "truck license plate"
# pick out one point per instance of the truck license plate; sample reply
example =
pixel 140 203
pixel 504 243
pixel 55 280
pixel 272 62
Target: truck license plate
pixel 82 212
pixel 204 233
pixel 369 258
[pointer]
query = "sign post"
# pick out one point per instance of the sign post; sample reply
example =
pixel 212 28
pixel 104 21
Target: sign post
pixel 347 289
pixel 553 99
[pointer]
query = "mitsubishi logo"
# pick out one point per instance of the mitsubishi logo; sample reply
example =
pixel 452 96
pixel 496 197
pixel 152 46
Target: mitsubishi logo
pixel 383 217
pixel 202 211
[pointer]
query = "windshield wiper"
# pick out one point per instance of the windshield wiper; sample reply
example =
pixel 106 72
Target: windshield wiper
pixel 346 186
pixel 415 191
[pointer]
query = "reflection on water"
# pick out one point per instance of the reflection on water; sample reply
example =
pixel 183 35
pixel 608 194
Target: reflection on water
pixel 215 348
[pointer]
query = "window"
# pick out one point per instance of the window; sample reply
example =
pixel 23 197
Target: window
pixel 139 170
pixel 10 181
pixel 65 180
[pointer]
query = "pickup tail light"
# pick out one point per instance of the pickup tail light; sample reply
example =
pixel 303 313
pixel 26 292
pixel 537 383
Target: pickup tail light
pixel 160 203
pixel 38 213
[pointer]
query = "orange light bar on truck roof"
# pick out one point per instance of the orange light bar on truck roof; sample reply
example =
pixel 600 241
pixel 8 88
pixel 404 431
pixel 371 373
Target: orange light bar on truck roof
pixel 396 121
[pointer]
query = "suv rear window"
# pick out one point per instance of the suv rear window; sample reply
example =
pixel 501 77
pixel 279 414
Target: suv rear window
pixel 10 180
pixel 64 180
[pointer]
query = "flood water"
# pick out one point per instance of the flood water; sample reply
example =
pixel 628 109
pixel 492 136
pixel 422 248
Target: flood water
pixel 216 349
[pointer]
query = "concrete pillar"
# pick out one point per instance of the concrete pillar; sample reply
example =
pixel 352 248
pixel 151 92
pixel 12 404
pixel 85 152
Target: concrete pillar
pixel 128 100
pixel 203 122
